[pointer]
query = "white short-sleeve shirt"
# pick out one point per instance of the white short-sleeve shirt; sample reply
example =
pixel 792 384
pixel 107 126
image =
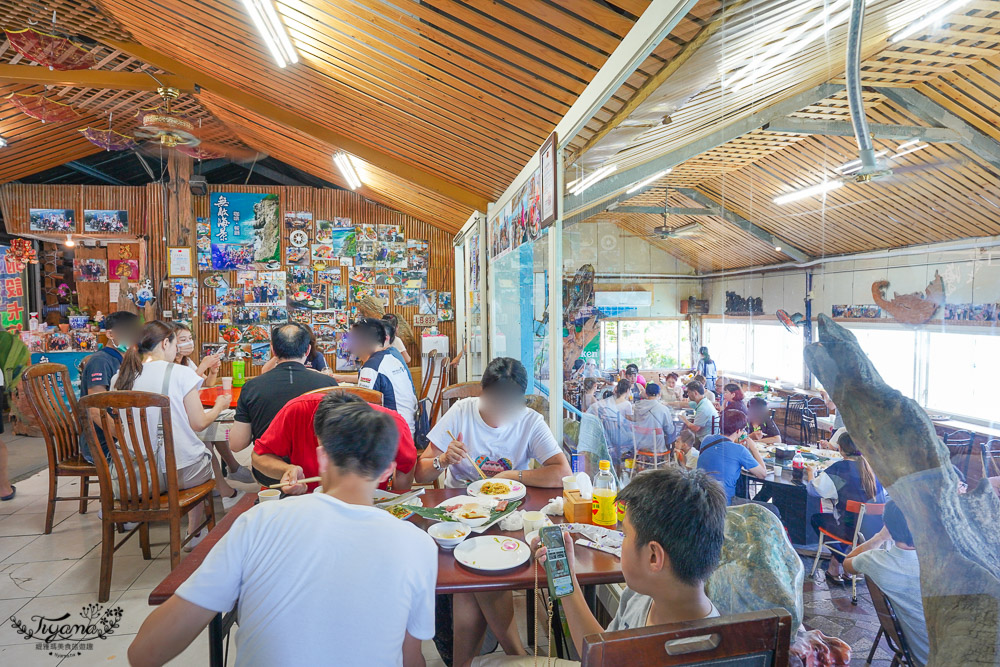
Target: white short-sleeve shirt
pixel 510 447
pixel 320 582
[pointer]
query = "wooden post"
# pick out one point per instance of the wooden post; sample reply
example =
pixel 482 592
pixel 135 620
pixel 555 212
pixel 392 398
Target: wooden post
pixel 956 536
pixel 180 213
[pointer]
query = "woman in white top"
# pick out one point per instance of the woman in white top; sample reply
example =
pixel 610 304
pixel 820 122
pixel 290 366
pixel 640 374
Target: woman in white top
pixel 145 367
pixel 209 369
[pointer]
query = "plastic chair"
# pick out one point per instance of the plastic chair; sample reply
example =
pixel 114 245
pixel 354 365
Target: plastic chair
pixel 141 495
pixel 852 507
pixel 366 395
pixel 755 638
pixel 889 627
pixel 50 397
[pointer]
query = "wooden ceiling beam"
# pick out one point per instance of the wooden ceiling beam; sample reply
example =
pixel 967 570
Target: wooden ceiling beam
pixel 290 119
pixel 92 78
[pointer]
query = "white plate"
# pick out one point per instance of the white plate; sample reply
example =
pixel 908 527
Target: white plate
pixel 492 553
pixel 517 489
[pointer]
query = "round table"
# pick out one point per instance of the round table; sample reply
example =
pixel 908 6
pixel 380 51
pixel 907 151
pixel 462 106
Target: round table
pixel 209 394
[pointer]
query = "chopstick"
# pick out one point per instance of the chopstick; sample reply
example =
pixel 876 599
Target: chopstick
pixel 307 480
pixel 469 456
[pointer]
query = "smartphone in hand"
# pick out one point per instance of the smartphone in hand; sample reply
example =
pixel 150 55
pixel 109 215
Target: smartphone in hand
pixel 556 564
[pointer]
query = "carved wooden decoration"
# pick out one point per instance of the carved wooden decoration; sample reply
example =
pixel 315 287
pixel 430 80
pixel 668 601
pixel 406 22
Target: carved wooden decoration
pixel 956 536
pixel 915 308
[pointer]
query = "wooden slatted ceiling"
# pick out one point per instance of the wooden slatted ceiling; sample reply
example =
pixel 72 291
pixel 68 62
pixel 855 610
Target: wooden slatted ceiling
pixel 465 90
pixel 313 157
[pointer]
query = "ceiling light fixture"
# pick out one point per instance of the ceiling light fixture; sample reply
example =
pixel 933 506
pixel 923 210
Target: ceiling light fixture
pixel 69 243
pixel 928 20
pixel 777 248
pixel 651 179
pixel 592 178
pixel 789 45
pixel 912 150
pixel 811 191
pixel 347 170
pixel 3 142
pixel 907 144
pixel 269 25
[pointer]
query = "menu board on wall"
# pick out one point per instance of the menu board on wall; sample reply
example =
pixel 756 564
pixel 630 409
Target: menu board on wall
pixel 12 297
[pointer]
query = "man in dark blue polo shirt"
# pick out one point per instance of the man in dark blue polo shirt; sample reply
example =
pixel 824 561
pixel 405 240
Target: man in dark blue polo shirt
pixel 122 331
pixel 382 370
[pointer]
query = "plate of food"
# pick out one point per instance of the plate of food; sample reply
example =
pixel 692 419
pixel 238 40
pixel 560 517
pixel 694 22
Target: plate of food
pixel 480 513
pixel 399 511
pixel 501 489
pixel 492 553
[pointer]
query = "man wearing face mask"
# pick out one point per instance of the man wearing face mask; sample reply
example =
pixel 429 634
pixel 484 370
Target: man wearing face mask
pixel 122 331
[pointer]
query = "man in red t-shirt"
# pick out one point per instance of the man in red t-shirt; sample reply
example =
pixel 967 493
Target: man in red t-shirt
pixel 287 450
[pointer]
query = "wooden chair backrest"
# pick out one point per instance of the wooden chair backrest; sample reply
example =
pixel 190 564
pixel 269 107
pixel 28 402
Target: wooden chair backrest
pixel 456 392
pixel 51 398
pixel 755 638
pixel 366 395
pixel 132 443
pixel 446 367
pixel 427 375
pixel 887 618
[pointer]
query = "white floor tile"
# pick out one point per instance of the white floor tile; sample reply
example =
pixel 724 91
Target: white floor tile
pixel 156 572
pixel 25 653
pixel 135 608
pixel 9 545
pixel 84 576
pixel 62 544
pixel 18 580
pixel 29 523
pixel 110 651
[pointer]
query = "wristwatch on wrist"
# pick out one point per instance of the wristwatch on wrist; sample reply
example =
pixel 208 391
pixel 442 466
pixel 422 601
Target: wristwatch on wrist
pixel 520 476
pixel 436 462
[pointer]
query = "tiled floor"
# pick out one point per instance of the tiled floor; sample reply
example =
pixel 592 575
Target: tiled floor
pixel 51 575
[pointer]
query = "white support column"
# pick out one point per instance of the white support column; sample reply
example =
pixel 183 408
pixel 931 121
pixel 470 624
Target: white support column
pixel 556 310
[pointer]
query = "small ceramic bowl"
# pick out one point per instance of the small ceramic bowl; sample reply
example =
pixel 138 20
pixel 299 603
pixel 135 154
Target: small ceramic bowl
pixel 449 534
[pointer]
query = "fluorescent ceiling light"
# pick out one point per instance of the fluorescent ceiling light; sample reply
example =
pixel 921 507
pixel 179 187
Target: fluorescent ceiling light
pixel 592 178
pixel 651 179
pixel 272 30
pixel 812 191
pixel 928 20
pixel 777 248
pixel 907 144
pixel 3 142
pixel 347 170
pixel 789 45
pixel 912 150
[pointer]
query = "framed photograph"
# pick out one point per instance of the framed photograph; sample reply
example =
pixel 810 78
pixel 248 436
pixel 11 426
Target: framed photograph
pixel 180 262
pixel 105 222
pixel 52 219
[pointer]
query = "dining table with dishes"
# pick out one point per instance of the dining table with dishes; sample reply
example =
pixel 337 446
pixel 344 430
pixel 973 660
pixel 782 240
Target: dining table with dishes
pixel 474 553
pixel 786 489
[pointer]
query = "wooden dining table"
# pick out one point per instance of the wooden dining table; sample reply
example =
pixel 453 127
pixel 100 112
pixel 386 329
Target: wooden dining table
pixel 593 567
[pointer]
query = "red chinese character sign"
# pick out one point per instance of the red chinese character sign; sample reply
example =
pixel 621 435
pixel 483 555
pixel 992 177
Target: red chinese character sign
pixel 12 289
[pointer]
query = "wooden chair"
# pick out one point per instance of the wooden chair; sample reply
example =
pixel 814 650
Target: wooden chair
pixel 427 375
pixel 755 638
pixel 142 498
pixel 853 507
pixel 366 395
pixel 457 392
pixel 50 397
pixel 889 627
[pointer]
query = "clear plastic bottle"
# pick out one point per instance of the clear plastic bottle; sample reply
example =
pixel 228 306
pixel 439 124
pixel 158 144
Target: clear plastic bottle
pixel 605 492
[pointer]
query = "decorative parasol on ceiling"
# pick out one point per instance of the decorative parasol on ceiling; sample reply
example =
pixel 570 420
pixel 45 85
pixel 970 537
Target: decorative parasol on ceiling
pixel 53 51
pixel 108 139
pixel 43 108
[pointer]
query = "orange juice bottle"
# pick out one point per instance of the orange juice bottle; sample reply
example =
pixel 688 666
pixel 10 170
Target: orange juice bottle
pixel 605 491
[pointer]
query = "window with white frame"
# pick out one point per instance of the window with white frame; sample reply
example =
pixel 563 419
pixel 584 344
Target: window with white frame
pixel 758 348
pixel 894 353
pixel 960 368
pixel 645 343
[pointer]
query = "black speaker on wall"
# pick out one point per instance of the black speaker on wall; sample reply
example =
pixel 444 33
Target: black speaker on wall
pixel 198 185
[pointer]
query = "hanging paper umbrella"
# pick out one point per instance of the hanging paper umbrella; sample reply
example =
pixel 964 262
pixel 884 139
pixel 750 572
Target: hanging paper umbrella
pixel 43 108
pixel 53 51
pixel 109 140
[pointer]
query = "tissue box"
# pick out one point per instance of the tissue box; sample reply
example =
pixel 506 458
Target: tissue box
pixel 576 509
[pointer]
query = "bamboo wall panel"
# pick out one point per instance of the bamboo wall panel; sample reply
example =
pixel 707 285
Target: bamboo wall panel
pixel 17 198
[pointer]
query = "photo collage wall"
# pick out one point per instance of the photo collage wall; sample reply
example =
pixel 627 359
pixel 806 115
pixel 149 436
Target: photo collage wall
pixel 267 267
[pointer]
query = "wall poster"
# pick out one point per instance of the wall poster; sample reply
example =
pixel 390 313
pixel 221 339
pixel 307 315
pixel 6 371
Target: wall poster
pixel 245 231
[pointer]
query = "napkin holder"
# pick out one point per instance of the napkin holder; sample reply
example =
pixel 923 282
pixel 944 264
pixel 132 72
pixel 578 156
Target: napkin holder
pixel 577 509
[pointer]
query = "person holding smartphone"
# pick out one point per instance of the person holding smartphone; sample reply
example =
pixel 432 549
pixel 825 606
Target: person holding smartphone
pixel 674 528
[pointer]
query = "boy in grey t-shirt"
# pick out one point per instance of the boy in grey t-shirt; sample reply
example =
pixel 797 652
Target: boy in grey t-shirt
pixel 897 572
pixel 674 527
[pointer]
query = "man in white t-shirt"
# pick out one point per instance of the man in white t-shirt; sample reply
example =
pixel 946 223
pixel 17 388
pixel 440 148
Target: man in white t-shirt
pixel 502 436
pixel 318 579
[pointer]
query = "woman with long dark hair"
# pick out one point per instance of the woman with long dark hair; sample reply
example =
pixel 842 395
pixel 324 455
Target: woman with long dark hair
pixel 850 479
pixel 149 366
pixel 209 369
pixel 396 341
